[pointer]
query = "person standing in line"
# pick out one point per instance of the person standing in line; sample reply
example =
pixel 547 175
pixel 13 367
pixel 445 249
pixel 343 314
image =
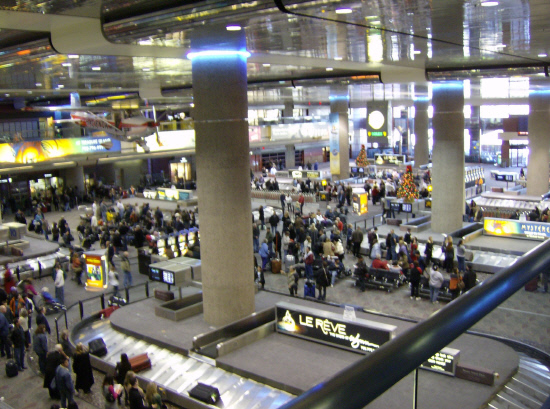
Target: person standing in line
pixel 449 254
pixel 42 320
pixel 415 274
pixel 152 397
pixel 64 383
pixel 264 253
pixel 323 282
pixel 40 346
pixel 83 368
pixel 113 279
pixel 262 216
pixel 428 250
pixel 435 282
pixel 309 258
pixel 292 280
pixel 256 237
pixel 17 338
pixel 461 256
pixel 59 284
pixel 125 266
pixel 357 239
pixel 4 332
pixel 282 198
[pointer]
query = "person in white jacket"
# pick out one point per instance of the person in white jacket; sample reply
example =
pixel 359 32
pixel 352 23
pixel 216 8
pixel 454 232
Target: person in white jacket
pixel 59 284
pixel 436 281
pixel 113 279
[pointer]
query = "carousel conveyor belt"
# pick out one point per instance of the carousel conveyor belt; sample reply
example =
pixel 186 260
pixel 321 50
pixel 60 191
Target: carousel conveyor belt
pixel 177 373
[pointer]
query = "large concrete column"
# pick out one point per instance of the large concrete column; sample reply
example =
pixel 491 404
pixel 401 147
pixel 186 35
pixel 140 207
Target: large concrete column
pixel 223 180
pixel 290 156
pixel 539 144
pixel 448 157
pixel 339 105
pixel 75 177
pixel 421 123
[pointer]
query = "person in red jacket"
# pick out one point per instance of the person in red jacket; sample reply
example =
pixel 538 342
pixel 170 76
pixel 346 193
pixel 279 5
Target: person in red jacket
pixel 381 264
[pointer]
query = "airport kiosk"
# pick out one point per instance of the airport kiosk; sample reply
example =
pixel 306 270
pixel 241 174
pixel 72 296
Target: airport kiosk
pixel 97 270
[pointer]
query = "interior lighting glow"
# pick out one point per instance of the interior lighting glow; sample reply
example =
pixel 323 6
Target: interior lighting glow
pixel 543 55
pixel 72 56
pixel 344 11
pixel 233 27
pixel 337 58
pixel 330 69
pixel 146 69
pixel 38 84
pixel 218 53
pixel 66 64
pixel 489 3
pixel 266 65
pixel 375 22
pixel 61 86
pixel 96 68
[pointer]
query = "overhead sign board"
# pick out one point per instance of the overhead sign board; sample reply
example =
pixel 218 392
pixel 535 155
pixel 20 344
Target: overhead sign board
pixel 378 118
pixel 360 336
pixel 299 131
pixel 387 159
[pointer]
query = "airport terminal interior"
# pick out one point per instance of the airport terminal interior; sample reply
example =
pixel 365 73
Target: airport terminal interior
pixel 402 146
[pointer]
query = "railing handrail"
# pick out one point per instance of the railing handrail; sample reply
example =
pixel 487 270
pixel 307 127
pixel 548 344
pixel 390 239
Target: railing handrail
pixel 362 382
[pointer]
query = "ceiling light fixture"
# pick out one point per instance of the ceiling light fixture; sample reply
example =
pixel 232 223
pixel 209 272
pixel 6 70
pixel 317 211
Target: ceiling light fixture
pixel 543 55
pixel 489 3
pixel 337 58
pixel 233 27
pixel 38 84
pixel 375 22
pixel 218 53
pixel 330 69
pixel 417 52
pixel 96 68
pixel 146 69
pixel 72 56
pixel 344 11
pixel 66 64
pixel 266 65
pixel 61 86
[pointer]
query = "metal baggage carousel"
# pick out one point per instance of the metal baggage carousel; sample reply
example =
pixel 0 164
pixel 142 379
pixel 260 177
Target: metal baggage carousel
pixel 176 373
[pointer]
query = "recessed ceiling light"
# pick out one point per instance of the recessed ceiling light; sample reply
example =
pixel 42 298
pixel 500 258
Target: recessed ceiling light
pixel 489 3
pixel 266 65
pixel 61 86
pixel 66 64
pixel 344 11
pixel 72 56
pixel 233 27
pixel 330 69
pixel 376 22
pixel 417 52
pixel 337 58
pixel 96 68
pixel 146 69
pixel 38 84
pixel 543 55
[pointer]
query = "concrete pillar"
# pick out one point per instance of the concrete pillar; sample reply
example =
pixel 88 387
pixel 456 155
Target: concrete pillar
pixel 448 157
pixel 339 105
pixel 539 144
pixel 421 123
pixel 290 157
pixel 223 178
pixel 75 177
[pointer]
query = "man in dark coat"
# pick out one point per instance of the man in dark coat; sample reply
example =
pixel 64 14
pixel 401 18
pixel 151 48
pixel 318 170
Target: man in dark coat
pixel 41 319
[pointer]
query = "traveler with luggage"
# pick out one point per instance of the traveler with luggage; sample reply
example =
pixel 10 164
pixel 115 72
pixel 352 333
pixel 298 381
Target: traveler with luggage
pixel 309 258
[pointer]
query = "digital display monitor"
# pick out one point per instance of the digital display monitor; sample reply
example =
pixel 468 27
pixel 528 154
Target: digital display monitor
pixel 168 277
pixel 155 274
pixel 361 170
pixel 396 207
pixel 407 207
pixel 354 169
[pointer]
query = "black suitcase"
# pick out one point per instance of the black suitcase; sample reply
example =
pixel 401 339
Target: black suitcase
pixel 205 393
pixel 11 368
pixel 121 302
pixel 97 347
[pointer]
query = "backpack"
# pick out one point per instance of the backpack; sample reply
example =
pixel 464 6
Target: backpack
pixel 109 397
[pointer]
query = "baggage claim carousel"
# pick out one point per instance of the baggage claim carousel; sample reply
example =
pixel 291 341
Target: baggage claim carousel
pixel 269 368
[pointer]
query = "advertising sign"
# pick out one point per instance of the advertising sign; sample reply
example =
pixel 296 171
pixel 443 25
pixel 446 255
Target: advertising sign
pixel 443 362
pixel 360 203
pixel 516 228
pixel 299 131
pixel 96 274
pixel 40 151
pixel 304 174
pixel 359 336
pixel 378 119
pixel 169 140
pixel 334 143
pixel 254 134
pixel 385 159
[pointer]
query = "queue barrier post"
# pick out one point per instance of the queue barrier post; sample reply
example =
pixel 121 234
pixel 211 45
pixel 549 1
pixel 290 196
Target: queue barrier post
pixel 127 290
pixel 81 308
pixel 102 301
pixel 66 322
pixel 57 329
pixel 147 289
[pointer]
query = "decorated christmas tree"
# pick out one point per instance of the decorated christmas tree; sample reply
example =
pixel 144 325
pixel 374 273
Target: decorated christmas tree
pixel 361 160
pixel 407 189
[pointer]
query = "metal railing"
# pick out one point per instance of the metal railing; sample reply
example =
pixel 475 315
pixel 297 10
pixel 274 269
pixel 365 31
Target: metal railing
pixel 404 354
pixel 102 305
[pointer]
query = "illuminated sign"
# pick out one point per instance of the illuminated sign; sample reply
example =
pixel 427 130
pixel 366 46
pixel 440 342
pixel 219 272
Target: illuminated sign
pixel 299 174
pixel 382 159
pixel 443 362
pixel 173 194
pixel 40 151
pixel 360 203
pixel 176 272
pixel 299 131
pixel 377 119
pixel 150 194
pixel 96 274
pixel 359 336
pixel 334 142
pixel 516 228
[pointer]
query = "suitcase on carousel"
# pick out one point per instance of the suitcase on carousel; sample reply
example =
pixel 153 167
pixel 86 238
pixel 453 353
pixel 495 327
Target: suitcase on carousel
pixel 309 289
pixel 97 347
pixel 140 362
pixel 276 266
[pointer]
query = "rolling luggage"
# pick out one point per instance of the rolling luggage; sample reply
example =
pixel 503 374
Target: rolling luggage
pixel 276 266
pixel 117 301
pixel 11 368
pixel 97 347
pixel 532 285
pixel 140 362
pixel 309 289
pixel 108 311
pixel 205 393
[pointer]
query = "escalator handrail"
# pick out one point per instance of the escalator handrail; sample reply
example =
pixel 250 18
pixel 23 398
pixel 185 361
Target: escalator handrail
pixel 362 382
